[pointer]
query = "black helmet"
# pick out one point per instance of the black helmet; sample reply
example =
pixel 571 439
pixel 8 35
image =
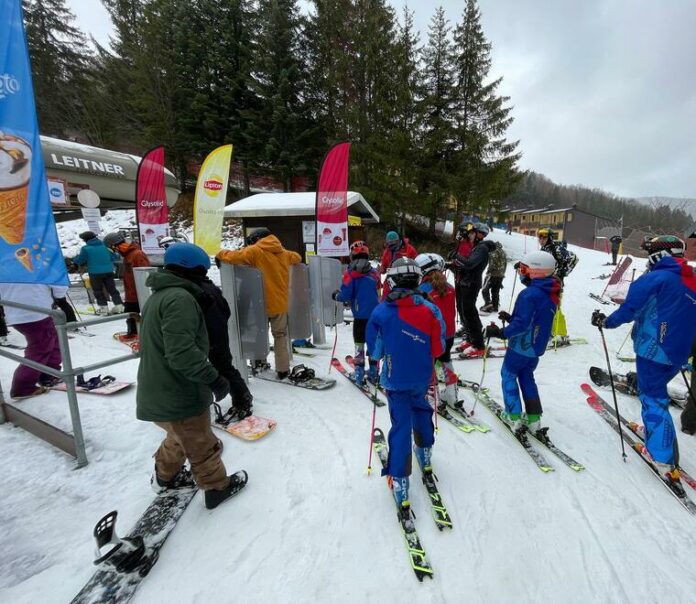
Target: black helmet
pixel 114 239
pixel 88 236
pixel 257 234
pixel 664 243
pixel 482 228
pixel 404 273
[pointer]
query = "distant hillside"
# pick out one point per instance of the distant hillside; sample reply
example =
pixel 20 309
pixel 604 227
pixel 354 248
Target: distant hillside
pixel 676 203
pixel 536 191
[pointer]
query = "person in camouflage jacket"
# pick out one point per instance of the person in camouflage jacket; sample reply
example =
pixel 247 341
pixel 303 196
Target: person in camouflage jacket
pixel 497 263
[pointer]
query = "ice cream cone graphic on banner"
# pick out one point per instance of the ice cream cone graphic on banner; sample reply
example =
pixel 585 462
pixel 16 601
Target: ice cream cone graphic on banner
pixel 24 256
pixel 15 172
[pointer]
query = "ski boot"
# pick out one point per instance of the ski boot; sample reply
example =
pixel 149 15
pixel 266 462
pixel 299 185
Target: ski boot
pixel 373 373
pixel 532 422
pixel 181 480
pixel 214 498
pixel 359 365
pixel 101 310
pixel 672 477
pixel 424 457
pixel 4 341
pixel 241 406
pixel 399 487
pixel 117 309
pixel 486 308
pixel 359 375
pixel 513 421
pixel 472 353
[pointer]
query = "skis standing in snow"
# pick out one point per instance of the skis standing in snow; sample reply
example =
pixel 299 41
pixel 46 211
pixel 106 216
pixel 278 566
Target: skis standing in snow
pixel 527 332
pixel 469 275
pixel 177 382
pixel 662 305
pixel 360 287
pixel 264 251
pixel 435 286
pixel 133 257
pixel 407 333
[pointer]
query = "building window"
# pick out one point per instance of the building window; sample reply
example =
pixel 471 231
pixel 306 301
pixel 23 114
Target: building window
pixel 570 217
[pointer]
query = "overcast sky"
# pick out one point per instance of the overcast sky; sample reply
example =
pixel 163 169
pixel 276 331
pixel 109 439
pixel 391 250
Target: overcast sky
pixel 604 91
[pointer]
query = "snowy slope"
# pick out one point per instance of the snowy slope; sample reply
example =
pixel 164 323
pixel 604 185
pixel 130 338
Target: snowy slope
pixel 312 527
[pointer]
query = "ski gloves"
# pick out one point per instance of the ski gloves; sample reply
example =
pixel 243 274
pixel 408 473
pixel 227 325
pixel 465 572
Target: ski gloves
pixel 493 331
pixel 598 319
pixel 505 317
pixel 220 387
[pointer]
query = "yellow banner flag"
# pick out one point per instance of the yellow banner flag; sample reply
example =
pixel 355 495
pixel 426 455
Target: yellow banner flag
pixel 209 200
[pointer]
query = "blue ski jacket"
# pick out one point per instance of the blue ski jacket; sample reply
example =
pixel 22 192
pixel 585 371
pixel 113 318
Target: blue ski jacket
pixel 98 258
pixel 529 329
pixel 360 287
pixel 662 304
pixel 407 332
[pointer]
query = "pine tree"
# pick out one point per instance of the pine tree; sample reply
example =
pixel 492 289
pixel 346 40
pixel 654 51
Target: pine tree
pixel 59 62
pixel 486 159
pixel 282 127
pixel 438 119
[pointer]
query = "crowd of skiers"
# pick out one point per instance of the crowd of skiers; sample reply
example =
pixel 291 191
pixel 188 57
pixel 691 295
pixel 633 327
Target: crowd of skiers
pixel 407 323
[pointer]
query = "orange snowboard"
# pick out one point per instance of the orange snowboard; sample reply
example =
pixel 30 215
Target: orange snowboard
pixel 251 428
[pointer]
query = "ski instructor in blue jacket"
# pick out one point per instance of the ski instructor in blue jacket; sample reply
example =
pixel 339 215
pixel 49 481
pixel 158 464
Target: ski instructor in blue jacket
pixel 662 305
pixel 407 333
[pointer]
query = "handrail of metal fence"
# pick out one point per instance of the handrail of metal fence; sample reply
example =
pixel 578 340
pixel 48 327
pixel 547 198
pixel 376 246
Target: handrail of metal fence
pixel 42 429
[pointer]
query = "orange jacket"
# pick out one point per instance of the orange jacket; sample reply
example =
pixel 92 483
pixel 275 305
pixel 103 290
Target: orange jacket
pixel 273 260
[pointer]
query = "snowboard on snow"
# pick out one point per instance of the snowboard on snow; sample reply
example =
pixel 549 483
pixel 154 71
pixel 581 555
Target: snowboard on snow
pixel 133 342
pixel 104 389
pixel 13 346
pixel 310 383
pixel 250 428
pixel 119 574
pixel 628 384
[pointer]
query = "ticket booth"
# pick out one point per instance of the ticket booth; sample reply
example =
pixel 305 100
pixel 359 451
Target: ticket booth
pixel 291 217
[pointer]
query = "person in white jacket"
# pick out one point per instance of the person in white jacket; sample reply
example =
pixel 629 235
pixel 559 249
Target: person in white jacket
pixel 39 331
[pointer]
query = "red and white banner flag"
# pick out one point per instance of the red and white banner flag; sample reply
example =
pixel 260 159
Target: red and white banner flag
pixel 151 210
pixel 332 203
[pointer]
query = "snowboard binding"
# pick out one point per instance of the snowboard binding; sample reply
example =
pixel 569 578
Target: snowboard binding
pixel 301 373
pixel 125 555
pixel 95 382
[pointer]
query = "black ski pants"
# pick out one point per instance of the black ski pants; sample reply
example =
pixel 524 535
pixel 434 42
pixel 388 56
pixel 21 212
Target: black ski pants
pixel 101 282
pixel 221 359
pixel 67 308
pixel 3 324
pixel 131 324
pixel 459 299
pixel 491 291
pixel 471 316
pixel 614 254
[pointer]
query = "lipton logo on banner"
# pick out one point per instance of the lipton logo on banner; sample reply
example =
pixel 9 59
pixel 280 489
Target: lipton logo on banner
pixel 213 185
pixel 8 85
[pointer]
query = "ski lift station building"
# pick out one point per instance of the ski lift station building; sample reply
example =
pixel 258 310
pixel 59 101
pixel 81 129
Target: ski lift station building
pixel 291 217
pixel 71 167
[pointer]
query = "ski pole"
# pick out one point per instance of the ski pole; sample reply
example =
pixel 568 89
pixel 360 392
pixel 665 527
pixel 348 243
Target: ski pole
pixel 618 352
pixel 613 390
pixel 483 376
pixel 372 429
pixel 333 351
pixel 512 294
pixel 436 398
pixel 688 387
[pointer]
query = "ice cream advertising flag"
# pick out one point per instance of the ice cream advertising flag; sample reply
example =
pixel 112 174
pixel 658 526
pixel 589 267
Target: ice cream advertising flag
pixel 332 203
pixel 29 247
pixel 151 202
pixel 209 202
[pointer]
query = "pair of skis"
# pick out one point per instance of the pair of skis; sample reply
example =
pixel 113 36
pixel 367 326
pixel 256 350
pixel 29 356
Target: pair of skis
pixel 521 436
pixel 605 411
pixel 418 558
pixel 368 391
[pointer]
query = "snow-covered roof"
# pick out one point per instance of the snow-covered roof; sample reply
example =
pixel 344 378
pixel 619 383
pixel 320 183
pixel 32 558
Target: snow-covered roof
pixel 293 204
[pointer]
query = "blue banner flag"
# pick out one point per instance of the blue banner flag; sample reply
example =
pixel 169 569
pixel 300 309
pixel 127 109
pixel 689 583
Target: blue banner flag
pixel 29 247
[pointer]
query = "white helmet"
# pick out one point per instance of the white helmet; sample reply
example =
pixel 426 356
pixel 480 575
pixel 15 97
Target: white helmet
pixel 404 273
pixel 430 262
pixel 539 264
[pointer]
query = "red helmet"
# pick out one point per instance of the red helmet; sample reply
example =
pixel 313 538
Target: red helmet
pixel 359 247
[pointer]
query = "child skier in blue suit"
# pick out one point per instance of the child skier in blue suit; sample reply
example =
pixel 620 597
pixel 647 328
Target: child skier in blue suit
pixel 662 305
pixel 360 287
pixel 407 332
pixel 527 332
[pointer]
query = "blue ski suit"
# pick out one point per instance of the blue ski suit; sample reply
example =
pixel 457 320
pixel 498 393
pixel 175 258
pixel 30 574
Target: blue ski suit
pixel 407 332
pixel 528 334
pixel 662 305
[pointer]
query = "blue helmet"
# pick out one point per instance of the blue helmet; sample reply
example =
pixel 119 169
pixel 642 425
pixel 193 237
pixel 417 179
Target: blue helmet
pixel 186 255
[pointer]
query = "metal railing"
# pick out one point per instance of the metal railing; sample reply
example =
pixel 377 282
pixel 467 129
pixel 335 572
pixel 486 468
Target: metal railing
pixel 73 444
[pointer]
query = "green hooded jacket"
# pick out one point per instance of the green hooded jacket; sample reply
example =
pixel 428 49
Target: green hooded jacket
pixel 174 370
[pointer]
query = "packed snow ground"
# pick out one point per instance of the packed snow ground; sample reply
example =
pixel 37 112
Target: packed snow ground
pixel 313 527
